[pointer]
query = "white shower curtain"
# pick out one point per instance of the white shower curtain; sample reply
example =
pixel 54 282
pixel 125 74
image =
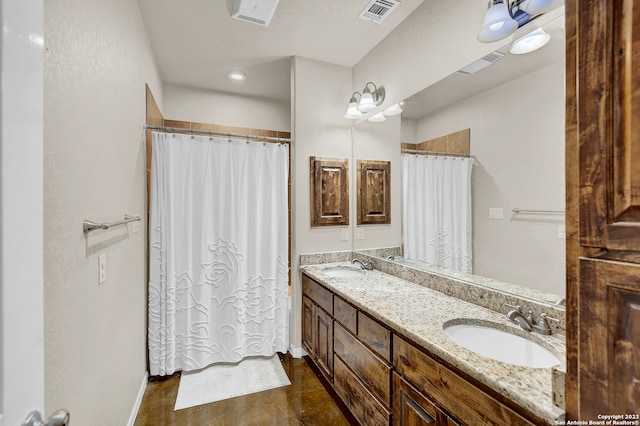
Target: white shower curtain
pixel 218 251
pixel 436 210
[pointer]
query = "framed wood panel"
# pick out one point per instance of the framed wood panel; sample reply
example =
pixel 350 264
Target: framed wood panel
pixel 329 191
pixel 374 192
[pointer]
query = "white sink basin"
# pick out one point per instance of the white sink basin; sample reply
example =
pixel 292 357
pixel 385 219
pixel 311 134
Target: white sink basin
pixel 343 272
pixel 501 345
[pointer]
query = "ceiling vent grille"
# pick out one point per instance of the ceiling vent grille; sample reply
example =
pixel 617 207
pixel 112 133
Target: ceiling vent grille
pixel 378 10
pixel 481 63
pixel 255 11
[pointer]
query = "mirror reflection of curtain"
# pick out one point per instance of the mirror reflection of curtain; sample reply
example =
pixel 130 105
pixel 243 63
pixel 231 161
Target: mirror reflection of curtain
pixel 436 210
pixel 217 251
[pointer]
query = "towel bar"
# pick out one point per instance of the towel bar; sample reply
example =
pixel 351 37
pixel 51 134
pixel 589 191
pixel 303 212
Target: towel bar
pixel 88 225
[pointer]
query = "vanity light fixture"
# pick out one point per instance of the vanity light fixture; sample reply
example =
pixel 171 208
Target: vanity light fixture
pixel 394 109
pixel 530 42
pixel 352 109
pixel 504 17
pixel 370 100
pixel 498 22
pixel 377 118
pixel 237 75
pixel 367 101
pixel 536 7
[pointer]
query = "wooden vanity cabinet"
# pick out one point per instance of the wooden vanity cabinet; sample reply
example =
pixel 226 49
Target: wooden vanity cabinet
pixel 383 378
pixel 412 408
pixel 317 325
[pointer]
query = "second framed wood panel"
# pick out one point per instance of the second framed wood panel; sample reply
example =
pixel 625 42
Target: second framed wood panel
pixel 374 192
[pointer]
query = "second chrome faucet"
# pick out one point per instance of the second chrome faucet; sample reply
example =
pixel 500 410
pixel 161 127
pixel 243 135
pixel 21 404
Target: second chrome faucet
pixel 367 264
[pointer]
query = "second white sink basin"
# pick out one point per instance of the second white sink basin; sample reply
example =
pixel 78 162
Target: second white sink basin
pixel 343 272
pixel 501 345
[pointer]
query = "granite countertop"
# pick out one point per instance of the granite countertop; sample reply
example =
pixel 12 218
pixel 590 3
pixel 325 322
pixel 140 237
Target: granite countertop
pixel 420 313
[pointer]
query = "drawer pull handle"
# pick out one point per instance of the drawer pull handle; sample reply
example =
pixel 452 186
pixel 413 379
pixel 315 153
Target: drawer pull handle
pixel 420 411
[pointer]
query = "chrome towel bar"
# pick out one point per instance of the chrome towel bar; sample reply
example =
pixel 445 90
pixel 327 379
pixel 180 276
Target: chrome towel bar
pixel 88 225
pixel 519 211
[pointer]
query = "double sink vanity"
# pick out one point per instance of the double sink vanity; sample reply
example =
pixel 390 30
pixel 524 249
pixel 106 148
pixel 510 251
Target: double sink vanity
pixel 405 346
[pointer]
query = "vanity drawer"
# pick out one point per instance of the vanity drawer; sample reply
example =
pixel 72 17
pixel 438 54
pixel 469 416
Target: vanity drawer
pixel 317 293
pixel 355 395
pixel 469 404
pixel 345 314
pixel 374 372
pixel 375 335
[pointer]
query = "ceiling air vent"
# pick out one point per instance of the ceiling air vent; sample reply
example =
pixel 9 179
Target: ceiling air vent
pixel 255 11
pixel 483 62
pixel 378 10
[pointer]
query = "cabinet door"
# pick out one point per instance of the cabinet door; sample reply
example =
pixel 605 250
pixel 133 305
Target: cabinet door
pixel 412 408
pixel 307 326
pixel 323 341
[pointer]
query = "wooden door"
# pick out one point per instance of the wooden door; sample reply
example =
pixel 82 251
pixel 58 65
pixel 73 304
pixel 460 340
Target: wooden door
pixel 412 408
pixel 603 208
pixel 307 326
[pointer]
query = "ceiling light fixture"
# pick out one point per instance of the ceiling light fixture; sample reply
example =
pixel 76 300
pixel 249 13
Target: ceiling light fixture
pixel 237 75
pixel 368 101
pixel 530 42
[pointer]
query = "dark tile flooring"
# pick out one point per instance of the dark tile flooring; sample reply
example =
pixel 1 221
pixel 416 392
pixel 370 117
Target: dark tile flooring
pixel 305 402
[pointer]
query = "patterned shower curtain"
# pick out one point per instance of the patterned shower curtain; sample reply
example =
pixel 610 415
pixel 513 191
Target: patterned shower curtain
pixel 218 251
pixel 436 210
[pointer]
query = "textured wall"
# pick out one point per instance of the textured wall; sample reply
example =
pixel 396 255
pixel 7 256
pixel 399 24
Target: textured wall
pixel 518 145
pixel 97 61
pixel 188 104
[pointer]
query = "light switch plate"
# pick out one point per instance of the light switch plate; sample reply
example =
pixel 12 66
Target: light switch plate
pixel 562 232
pixel 496 213
pixel 344 234
pixel 359 233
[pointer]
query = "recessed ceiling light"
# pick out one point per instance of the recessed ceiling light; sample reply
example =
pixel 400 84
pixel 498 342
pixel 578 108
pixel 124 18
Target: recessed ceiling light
pixel 237 75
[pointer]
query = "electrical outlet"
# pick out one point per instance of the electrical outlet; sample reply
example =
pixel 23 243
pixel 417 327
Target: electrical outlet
pixel 562 232
pixel 359 233
pixel 344 234
pixel 496 213
pixel 102 268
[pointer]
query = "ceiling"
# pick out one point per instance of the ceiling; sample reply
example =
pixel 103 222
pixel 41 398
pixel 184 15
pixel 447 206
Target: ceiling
pixel 196 42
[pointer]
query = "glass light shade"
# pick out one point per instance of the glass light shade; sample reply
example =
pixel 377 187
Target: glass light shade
pixel 366 103
pixel 498 24
pixel 352 111
pixel 530 42
pixel 237 75
pixel 377 118
pixel 536 7
pixel 394 109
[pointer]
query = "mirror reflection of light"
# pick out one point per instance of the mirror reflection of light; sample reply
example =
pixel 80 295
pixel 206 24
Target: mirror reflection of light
pixel 530 42
pixel 36 39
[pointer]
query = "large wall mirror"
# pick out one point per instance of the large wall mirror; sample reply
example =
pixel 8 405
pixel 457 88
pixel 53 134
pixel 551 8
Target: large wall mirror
pixel 515 110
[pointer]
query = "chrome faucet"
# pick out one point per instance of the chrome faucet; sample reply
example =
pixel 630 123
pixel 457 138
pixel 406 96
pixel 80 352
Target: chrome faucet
pixel 367 264
pixel 528 322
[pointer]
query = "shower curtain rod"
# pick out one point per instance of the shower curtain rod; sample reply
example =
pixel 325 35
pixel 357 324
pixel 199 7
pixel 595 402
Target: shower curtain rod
pixel 450 154
pixel 213 132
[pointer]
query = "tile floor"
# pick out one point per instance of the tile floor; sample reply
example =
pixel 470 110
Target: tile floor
pixel 305 402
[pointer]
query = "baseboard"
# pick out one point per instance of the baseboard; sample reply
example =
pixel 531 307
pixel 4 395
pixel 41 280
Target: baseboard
pixel 297 352
pixel 136 406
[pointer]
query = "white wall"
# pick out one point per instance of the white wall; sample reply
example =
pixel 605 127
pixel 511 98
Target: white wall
pixel 379 141
pixel 517 139
pixel 197 105
pixel 97 62
pixel 318 129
